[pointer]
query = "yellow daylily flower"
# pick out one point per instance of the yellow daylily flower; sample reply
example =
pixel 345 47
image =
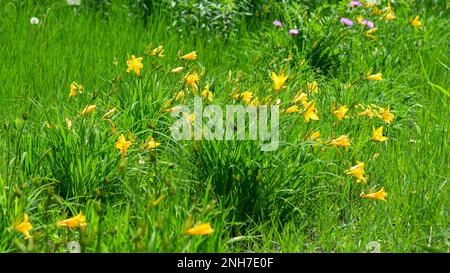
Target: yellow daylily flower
pixel 302 98
pixel 340 112
pixel 74 222
pixel 309 112
pixel 24 227
pixel 357 171
pixel 135 64
pixel 192 79
pixel 152 144
pixel 370 33
pixel 190 56
pixel 389 15
pixel 292 109
pixel 88 109
pixel 75 88
pixel 360 19
pixel 190 118
pixel 315 136
pixel 386 115
pixel 122 144
pixel 247 96
pixel 376 10
pixel 208 95
pixel 157 52
pixel 342 141
pixel 375 77
pixel 379 195
pixel 416 22
pixel 278 81
pixel 377 134
pixel 202 229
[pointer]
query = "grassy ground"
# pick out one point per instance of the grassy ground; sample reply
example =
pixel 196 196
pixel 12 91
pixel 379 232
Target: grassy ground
pixel 295 199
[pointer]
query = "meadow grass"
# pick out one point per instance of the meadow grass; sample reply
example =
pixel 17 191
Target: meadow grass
pixel 295 199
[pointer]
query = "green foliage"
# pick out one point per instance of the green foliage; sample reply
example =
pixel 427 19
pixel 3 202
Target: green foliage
pixel 295 199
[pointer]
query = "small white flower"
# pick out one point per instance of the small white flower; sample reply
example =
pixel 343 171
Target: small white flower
pixel 373 247
pixel 74 2
pixel 34 20
pixel 73 247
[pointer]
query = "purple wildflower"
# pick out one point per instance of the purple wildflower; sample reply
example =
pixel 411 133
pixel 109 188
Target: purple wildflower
pixel 293 32
pixel 355 4
pixel 368 24
pixel 277 23
pixel 347 21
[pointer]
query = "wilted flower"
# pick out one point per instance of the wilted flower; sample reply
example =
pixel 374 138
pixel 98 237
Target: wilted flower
pixel 313 87
pixel 347 21
pixel 377 134
pixel 177 69
pixel 379 195
pixel 122 144
pixel 357 171
pixel 156 202
pixel 202 229
pixel 293 32
pixel 370 33
pixel 135 64
pixel 34 20
pixel 190 56
pixel 109 113
pixel 277 23
pixel 179 96
pixel 74 222
pixel 69 123
pixel 24 227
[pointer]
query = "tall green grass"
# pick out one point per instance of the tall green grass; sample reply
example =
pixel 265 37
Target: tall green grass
pixel 294 199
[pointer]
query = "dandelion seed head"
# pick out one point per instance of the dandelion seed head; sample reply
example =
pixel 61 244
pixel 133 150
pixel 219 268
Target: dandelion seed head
pixel 34 20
